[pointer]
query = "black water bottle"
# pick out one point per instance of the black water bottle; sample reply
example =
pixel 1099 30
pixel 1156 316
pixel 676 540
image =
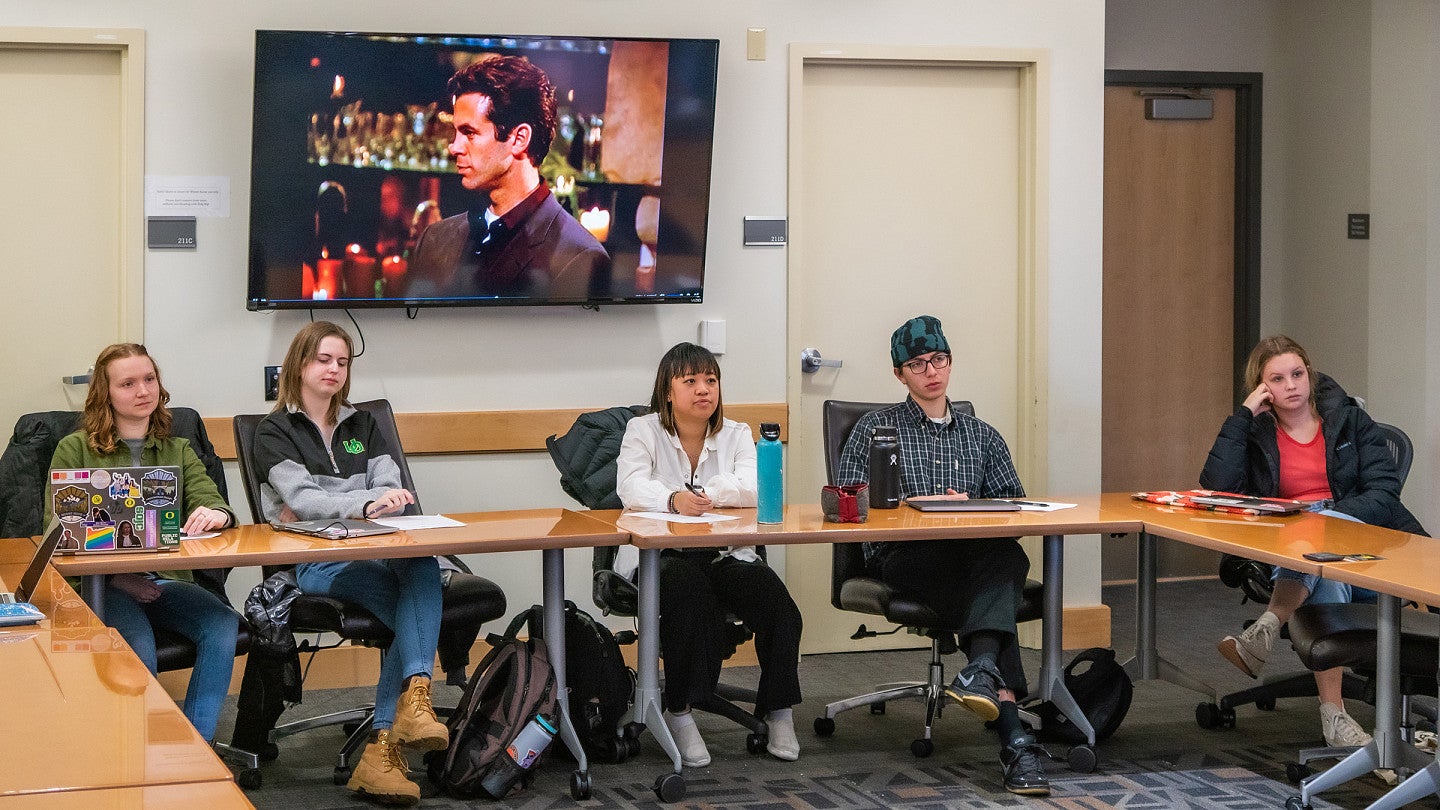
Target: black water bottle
pixel 884 468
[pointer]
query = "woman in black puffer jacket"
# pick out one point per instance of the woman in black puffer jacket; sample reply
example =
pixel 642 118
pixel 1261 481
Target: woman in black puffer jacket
pixel 1298 435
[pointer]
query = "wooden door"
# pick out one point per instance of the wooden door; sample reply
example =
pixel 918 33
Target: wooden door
pixel 73 131
pixel 1169 275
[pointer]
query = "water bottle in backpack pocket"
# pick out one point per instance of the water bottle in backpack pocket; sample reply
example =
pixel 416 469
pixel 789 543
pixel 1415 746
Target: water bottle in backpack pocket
pixel 512 688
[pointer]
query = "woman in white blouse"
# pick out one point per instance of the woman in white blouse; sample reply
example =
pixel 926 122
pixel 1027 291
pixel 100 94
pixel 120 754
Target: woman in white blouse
pixel 687 458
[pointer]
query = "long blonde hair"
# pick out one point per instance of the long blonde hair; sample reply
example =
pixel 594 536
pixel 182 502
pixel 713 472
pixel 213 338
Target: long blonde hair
pixel 303 349
pixel 98 418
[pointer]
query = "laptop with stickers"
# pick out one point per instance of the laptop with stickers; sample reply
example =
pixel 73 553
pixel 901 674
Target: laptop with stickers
pixel 106 510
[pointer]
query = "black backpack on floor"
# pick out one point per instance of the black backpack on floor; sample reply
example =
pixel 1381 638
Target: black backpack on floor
pixel 601 686
pixel 512 684
pixel 1103 690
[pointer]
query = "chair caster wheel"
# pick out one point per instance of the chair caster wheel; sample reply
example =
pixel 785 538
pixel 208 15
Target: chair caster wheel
pixel 250 779
pixel 755 743
pixel 1265 704
pixel 1227 718
pixel 1207 715
pixel 341 776
pixel 1295 803
pixel 670 787
pixel 616 751
pixel 922 747
pixel 824 726
pixel 579 786
pixel 877 708
pixel 631 731
pixel 1296 771
pixel 1083 759
pixel 632 747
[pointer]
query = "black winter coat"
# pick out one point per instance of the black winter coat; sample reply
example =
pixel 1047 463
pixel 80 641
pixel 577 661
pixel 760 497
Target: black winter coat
pixel 1363 482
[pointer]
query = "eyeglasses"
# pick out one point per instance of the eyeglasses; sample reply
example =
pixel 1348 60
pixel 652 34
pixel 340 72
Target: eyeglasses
pixel 939 361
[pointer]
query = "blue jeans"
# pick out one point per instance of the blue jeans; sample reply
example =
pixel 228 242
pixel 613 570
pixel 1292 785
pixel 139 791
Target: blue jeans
pixel 200 616
pixel 1326 591
pixel 405 595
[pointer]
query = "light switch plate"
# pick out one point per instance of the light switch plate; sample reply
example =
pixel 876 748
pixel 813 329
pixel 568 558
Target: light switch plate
pixel 755 44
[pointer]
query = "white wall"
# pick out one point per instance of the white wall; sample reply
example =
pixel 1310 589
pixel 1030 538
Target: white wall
pixel 199 76
pixel 1350 125
pixel 1404 277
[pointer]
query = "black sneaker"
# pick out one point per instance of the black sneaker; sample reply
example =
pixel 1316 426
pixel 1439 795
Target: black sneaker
pixel 1024 771
pixel 977 688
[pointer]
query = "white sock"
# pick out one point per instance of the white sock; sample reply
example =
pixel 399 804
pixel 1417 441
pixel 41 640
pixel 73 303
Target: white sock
pixel 693 753
pixel 783 743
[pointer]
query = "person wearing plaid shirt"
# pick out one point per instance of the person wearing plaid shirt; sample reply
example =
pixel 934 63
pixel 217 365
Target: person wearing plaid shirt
pixel 975 585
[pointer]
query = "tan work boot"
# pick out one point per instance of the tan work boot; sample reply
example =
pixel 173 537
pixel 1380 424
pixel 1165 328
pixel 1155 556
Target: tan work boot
pixel 380 773
pixel 415 724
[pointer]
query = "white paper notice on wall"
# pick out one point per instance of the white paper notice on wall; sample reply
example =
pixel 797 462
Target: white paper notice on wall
pixel 187 196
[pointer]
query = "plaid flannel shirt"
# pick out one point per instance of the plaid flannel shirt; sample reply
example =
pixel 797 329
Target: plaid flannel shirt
pixel 966 455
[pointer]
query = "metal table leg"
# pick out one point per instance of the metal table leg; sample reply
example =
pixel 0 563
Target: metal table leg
pixel 1052 674
pixel 1148 664
pixel 646 710
pixel 92 588
pixel 553 586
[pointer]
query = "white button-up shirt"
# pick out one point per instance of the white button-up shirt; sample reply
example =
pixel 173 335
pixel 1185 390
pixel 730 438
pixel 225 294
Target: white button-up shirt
pixel 652 465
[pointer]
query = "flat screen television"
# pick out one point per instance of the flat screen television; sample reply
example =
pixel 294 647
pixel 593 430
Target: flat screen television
pixel 352 166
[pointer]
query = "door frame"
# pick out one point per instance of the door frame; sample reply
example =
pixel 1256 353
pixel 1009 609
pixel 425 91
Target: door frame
pixel 1030 447
pixel 129 44
pixel 1248 89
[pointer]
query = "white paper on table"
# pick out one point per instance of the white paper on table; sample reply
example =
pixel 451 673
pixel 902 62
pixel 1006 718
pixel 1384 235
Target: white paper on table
pixel 199 535
pixel 1042 506
pixel 409 522
pixel 708 517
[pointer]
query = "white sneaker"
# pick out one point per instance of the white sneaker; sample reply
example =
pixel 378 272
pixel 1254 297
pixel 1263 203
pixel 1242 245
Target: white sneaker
pixel 782 744
pixel 693 753
pixel 1251 649
pixel 1340 729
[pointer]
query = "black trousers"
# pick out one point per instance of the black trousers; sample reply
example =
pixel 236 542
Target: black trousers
pixel 695 596
pixel 972 584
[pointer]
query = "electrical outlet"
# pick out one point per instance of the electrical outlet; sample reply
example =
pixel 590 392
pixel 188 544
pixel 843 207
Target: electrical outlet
pixel 272 383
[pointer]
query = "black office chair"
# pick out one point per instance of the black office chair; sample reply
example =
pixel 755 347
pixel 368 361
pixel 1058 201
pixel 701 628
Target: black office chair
pixel 853 588
pixel 23 480
pixel 585 457
pixel 1253 579
pixel 469 600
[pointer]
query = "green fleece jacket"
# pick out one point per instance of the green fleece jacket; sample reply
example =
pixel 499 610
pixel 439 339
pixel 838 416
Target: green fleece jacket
pixel 74 452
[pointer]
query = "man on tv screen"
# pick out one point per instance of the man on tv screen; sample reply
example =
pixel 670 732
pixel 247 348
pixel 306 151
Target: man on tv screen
pixel 518 242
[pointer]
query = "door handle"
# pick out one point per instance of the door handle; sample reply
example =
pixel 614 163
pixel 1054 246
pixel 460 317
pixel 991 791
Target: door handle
pixel 78 379
pixel 811 361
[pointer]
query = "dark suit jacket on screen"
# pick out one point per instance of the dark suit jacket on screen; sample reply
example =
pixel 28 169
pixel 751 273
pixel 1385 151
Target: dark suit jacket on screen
pixel 550 255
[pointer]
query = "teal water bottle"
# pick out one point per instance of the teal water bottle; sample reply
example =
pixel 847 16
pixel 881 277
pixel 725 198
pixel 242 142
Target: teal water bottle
pixel 771 474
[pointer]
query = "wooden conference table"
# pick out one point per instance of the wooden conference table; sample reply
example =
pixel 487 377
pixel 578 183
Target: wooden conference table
pixel 804 523
pixel 1275 540
pixel 85 723
pixel 549 531
pixel 1405 572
